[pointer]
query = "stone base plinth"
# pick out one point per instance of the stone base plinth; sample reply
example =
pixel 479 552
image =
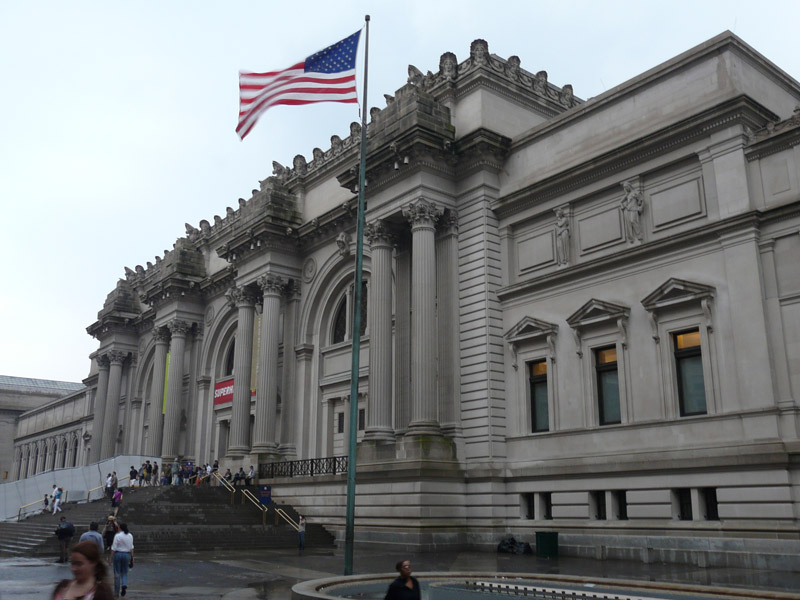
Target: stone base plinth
pixel 375 451
pixel 428 447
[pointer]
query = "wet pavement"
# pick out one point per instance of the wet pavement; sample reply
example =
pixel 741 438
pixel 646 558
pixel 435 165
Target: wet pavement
pixel 270 574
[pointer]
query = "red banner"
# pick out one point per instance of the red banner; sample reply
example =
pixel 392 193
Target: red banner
pixel 223 392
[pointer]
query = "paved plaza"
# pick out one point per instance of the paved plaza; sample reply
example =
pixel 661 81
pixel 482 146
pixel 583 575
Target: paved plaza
pixel 271 574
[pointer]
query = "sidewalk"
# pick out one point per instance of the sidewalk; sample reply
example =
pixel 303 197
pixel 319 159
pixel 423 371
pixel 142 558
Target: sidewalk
pixel 271 574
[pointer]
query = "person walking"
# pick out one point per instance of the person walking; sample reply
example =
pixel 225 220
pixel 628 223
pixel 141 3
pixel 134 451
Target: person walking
pixel 154 479
pixel 93 536
pixel 110 529
pixel 114 481
pixel 57 503
pixel 122 559
pixel 89 573
pixel 405 587
pixel 64 533
pixel 116 501
pixel 301 535
pixel 109 490
pixel 176 472
pixel 132 474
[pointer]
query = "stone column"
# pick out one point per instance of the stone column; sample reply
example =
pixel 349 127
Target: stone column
pixel 402 403
pixel 60 453
pixel 155 428
pixel 448 326
pixel 172 418
pixel 267 389
pixel 289 408
pixel 50 463
pixel 110 421
pixel 99 408
pixel 239 438
pixel 423 215
pixel 379 401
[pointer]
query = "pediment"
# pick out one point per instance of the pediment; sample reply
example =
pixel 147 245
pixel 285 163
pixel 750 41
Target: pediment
pixel 529 328
pixel 596 312
pixel 677 291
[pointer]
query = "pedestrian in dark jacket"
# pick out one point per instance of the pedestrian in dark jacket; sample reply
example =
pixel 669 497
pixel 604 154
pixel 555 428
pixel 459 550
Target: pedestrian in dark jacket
pixel 404 587
pixel 64 533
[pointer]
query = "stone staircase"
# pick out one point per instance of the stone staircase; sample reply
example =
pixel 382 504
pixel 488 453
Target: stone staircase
pixel 168 519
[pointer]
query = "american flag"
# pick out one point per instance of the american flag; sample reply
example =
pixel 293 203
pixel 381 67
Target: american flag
pixel 327 76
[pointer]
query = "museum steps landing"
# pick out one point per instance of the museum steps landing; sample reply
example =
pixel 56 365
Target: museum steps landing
pixel 168 519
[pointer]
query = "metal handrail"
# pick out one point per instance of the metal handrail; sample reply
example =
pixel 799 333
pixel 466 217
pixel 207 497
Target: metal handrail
pixel 226 484
pixel 287 518
pixel 249 495
pixel 309 467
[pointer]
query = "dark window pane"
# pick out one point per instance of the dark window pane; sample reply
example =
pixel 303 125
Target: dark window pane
pixel 540 415
pixel 710 499
pixel 608 383
pixel 340 428
pixel 363 323
pixel 684 504
pixel 340 323
pixel 229 359
pixel 691 385
pixel 362 417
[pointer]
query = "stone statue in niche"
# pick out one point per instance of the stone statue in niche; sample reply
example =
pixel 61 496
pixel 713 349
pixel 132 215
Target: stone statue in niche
pixel 562 237
pixel 631 206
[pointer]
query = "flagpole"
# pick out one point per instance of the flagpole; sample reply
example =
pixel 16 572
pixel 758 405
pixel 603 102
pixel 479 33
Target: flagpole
pixel 351 452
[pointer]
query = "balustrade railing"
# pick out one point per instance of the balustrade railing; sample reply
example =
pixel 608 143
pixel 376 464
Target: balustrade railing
pixel 331 465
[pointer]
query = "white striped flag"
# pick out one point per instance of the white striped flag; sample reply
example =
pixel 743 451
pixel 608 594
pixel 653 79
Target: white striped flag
pixel 327 76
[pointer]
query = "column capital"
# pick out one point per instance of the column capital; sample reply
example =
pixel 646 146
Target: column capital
pixel 292 290
pixel 377 233
pixel 161 335
pixel 422 213
pixel 449 222
pixel 117 357
pixel 103 362
pixel 271 284
pixel 179 328
pixel 239 296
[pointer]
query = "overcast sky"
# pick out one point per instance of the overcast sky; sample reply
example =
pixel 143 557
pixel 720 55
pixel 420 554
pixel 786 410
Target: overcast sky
pixel 117 118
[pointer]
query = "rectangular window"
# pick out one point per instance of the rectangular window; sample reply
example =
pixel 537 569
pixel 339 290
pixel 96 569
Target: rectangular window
pixel 538 388
pixel 530 505
pixel 684 497
pixel 340 424
pixel 709 496
pixel 547 505
pixel 599 502
pixel 622 504
pixel 607 385
pixel 362 417
pixel 689 371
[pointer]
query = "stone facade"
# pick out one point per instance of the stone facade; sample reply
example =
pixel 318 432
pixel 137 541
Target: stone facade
pixel 582 316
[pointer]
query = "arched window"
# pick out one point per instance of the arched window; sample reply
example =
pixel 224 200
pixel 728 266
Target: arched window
pixel 44 456
pixel 75 453
pixel 229 359
pixel 342 326
pixel 63 454
pixel 36 461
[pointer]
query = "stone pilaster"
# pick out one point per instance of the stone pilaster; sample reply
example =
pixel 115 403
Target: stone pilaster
pixel 447 325
pixel 110 422
pixel 99 408
pixel 423 215
pixel 172 418
pixel 289 408
pixel 245 302
pixel 155 427
pixel 379 401
pixel 267 389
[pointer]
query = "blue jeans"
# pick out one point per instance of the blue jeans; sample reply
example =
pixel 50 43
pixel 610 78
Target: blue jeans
pixel 122 560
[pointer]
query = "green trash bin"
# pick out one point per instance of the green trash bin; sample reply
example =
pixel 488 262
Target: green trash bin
pixel 547 544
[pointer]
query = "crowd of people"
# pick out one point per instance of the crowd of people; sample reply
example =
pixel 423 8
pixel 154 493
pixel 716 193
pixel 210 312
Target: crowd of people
pixel 87 562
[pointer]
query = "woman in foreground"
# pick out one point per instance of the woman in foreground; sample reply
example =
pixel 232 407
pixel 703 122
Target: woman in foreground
pixel 89 572
pixel 404 587
pixel 122 559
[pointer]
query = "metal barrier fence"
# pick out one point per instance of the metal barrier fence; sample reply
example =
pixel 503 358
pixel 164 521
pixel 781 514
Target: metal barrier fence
pixel 332 465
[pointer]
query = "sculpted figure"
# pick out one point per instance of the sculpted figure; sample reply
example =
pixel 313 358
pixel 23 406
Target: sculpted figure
pixel 540 82
pixel 205 227
pixel 343 242
pixel 512 67
pixel 562 237
pixel 631 206
pixel 318 155
pixel 336 144
pixel 448 66
pixel 566 95
pixel 389 99
pixel 300 164
pixel 279 171
pixel 374 113
pixel 479 52
pixel 192 232
pixel 415 76
pixel 355 129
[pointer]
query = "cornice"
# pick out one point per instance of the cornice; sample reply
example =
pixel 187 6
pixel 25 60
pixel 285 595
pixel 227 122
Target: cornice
pixel 741 110
pixel 775 137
